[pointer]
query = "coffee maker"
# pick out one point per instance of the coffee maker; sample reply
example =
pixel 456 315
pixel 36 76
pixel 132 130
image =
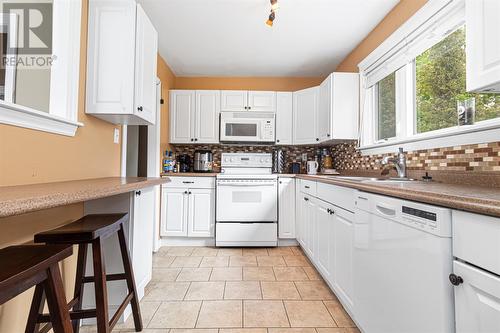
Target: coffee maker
pixel 184 161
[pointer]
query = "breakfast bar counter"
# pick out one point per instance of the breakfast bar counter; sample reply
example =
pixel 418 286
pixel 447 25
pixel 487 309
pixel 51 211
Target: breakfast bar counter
pixel 15 200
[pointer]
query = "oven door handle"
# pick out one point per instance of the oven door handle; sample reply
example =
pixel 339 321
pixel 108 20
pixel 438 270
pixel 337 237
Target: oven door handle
pixel 245 184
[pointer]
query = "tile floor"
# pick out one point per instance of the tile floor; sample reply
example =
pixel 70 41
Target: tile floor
pixel 233 290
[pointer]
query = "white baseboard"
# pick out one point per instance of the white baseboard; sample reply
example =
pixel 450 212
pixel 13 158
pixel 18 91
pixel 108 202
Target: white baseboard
pixel 287 242
pixel 185 241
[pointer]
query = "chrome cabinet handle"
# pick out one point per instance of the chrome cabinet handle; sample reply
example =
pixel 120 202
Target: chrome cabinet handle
pixel 187 182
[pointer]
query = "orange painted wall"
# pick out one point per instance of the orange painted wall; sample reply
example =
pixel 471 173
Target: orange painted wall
pixel 247 83
pixel 396 17
pixel 168 80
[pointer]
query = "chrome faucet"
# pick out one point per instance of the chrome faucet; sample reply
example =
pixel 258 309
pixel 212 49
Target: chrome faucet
pixel 398 162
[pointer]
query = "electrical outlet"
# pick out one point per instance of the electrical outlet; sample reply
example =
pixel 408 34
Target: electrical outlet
pixel 116 136
pixel 304 157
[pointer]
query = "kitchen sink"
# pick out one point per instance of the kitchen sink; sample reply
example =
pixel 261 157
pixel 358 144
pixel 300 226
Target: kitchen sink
pixel 371 179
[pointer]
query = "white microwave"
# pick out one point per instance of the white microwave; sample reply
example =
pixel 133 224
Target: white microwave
pixel 247 127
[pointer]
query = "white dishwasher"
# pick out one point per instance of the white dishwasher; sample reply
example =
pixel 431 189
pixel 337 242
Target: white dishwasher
pixel 401 263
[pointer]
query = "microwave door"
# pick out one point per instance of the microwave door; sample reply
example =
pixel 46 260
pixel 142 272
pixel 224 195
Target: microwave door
pixel 240 130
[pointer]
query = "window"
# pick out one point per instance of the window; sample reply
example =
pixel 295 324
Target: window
pixel 440 84
pixel 386 107
pixel 415 93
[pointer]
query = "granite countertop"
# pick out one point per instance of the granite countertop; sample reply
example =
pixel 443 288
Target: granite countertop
pixel 15 200
pixel 476 199
pixel 189 174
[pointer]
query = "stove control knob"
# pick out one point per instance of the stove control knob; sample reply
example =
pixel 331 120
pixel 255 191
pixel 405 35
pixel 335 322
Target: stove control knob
pixel 232 159
pixel 226 159
pixel 268 160
pixel 261 160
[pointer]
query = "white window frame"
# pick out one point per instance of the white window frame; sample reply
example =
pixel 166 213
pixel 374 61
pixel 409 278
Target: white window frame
pixel 424 28
pixel 62 117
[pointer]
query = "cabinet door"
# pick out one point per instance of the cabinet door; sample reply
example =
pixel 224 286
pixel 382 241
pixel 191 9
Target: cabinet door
pixel 201 216
pixel 286 208
pixel 284 118
pixel 477 300
pixel 233 100
pixel 206 120
pixel 310 227
pixel 146 53
pixel 299 208
pixel 483 45
pixel 174 212
pixel 324 110
pixel 305 111
pixel 342 254
pixel 345 106
pixel 142 225
pixel 324 233
pixel 110 78
pixel 262 101
pixel 182 110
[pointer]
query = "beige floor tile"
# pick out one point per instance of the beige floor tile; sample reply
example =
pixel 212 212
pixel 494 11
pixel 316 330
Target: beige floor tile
pixel 258 274
pixel 214 262
pixel 312 273
pixel 279 290
pixel 220 314
pixel 337 330
pixel 300 261
pixel 180 251
pixel 297 251
pixel 255 252
pixel 205 252
pixel 186 262
pixel 194 274
pixel 339 314
pixel 280 251
pixel 314 290
pixel 308 314
pixel 194 330
pixel 165 274
pixel 290 274
pixel 242 290
pixel 242 261
pixel 167 291
pixel 292 330
pixel 162 261
pixel 145 330
pixel 176 315
pixel 226 274
pixel 243 330
pixel 226 252
pixel 264 314
pixel 205 291
pixel 270 261
pixel 148 309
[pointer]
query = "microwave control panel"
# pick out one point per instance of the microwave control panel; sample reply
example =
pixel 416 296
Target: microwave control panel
pixel 268 130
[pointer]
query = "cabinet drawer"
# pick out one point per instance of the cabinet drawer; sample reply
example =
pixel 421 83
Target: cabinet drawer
pixel 307 186
pixel 476 240
pixel 342 197
pixel 191 182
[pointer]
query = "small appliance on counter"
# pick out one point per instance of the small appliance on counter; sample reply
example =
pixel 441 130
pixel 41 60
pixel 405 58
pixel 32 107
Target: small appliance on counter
pixel 295 168
pixel 279 161
pixel 184 162
pixel 203 161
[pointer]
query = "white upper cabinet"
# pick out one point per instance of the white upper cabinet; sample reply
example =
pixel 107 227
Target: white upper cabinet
pixel 234 100
pixel 194 116
pixel 262 101
pixel 206 120
pixel 284 118
pixel 338 107
pixel 121 63
pixel 305 113
pixel 242 100
pixel 182 112
pixel 483 45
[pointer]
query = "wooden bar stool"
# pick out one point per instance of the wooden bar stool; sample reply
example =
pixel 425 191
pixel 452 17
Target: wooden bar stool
pixel 22 267
pixel 93 229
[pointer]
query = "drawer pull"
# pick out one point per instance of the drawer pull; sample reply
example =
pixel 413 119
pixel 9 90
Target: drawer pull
pixel 306 187
pixel 306 199
pixel 187 182
pixel 455 279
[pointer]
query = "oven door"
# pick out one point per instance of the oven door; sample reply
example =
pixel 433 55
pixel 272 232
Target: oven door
pixel 247 200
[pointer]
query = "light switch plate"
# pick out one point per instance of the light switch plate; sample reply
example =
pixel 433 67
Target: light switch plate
pixel 116 137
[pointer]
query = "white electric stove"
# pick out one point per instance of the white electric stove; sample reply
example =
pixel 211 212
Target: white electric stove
pixel 247 201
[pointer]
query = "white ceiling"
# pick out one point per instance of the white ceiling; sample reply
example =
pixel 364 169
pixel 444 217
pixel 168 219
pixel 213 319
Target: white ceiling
pixel 230 37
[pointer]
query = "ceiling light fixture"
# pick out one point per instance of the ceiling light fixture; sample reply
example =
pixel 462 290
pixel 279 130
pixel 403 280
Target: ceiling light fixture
pixel 272 15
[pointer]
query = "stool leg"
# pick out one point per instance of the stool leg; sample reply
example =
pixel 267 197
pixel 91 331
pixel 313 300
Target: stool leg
pixel 56 300
pixel 136 312
pixel 80 274
pixel 36 309
pixel 101 294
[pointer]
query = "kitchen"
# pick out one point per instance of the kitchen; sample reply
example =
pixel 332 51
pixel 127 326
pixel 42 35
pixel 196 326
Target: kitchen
pixel 242 184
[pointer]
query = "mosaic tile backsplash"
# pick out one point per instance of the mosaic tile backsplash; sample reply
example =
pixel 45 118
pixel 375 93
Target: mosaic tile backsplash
pixel 478 157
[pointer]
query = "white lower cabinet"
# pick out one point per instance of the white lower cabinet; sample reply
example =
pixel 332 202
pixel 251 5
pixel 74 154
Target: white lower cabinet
pixel 325 233
pixel 286 208
pixel 188 212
